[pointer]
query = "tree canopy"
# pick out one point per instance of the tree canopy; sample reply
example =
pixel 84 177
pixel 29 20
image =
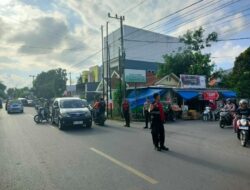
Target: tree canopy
pixel 51 83
pixel 239 79
pixel 2 90
pixel 18 92
pixel 191 60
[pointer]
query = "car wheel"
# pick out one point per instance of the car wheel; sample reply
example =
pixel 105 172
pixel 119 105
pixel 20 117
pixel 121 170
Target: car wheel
pixel 52 120
pixel 60 125
pixel 89 125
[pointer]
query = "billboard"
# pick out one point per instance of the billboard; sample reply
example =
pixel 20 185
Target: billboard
pixel 132 75
pixel 193 81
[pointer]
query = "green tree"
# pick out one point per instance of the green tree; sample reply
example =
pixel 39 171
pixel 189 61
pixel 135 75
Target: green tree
pixel 239 79
pixel 19 92
pixel 51 83
pixel 191 60
pixel 2 90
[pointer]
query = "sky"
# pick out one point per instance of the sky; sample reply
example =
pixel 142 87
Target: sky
pixel 39 35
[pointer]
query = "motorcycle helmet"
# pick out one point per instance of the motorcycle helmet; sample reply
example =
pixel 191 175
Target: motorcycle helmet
pixel 243 101
pixel 228 100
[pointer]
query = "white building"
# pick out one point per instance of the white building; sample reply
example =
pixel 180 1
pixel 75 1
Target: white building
pixel 144 49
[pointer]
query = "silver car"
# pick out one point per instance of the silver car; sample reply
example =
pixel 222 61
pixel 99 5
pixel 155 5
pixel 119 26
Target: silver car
pixel 15 106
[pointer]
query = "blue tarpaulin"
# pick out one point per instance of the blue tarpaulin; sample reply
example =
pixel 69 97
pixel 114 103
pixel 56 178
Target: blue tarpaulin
pixel 187 95
pixel 229 94
pixel 138 97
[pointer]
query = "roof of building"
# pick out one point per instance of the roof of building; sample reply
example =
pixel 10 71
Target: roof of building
pixel 169 75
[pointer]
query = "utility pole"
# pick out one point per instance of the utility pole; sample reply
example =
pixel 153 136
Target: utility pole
pixel 122 66
pixel 70 79
pixel 103 90
pixel 33 79
pixel 110 82
pixel 107 65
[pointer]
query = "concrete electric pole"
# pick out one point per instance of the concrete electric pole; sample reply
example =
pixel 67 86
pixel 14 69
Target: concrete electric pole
pixel 122 60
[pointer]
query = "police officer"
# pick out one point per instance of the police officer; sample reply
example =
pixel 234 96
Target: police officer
pixel 125 111
pixel 146 107
pixel 157 127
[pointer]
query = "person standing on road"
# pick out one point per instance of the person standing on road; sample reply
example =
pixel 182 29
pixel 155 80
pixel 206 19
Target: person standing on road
pixel 146 107
pixel 157 127
pixel 125 111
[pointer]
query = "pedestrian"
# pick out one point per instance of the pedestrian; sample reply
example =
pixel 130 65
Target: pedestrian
pixel 125 111
pixel 157 127
pixel 146 107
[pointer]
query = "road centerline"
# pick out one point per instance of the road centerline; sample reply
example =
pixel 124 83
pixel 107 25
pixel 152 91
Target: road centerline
pixel 125 166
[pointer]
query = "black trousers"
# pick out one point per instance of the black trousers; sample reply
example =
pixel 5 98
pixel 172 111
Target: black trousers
pixel 158 133
pixel 147 118
pixel 127 118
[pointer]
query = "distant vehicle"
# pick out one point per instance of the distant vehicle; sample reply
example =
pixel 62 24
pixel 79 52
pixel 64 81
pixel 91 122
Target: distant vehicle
pixel 30 103
pixel 1 104
pixel 15 106
pixel 70 112
pixel 24 101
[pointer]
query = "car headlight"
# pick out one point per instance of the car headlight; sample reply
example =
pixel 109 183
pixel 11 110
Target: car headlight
pixel 243 122
pixel 87 114
pixel 65 115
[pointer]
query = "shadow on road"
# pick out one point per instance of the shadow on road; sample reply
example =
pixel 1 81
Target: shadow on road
pixel 81 131
pixel 204 163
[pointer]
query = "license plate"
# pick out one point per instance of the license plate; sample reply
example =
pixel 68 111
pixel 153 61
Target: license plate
pixel 243 128
pixel 78 122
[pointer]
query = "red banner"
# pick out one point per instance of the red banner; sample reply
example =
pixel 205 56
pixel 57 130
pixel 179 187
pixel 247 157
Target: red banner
pixel 211 95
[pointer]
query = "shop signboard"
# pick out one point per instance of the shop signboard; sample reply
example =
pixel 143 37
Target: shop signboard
pixel 193 81
pixel 211 95
pixel 135 76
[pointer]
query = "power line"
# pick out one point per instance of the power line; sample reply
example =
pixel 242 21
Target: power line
pixel 171 14
pixel 173 20
pixel 199 16
pixel 133 7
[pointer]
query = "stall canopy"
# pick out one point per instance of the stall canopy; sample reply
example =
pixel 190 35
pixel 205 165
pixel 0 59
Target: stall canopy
pixel 187 95
pixel 229 94
pixel 138 97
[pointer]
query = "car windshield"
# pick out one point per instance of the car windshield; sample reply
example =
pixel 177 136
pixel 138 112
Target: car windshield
pixel 15 102
pixel 72 104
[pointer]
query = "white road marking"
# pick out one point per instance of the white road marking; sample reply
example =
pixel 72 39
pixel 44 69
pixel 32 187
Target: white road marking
pixel 124 166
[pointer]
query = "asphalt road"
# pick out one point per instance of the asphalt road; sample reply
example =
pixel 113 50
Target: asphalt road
pixel 202 156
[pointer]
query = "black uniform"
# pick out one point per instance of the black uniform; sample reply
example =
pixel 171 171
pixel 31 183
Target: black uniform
pixel 245 112
pixel 157 127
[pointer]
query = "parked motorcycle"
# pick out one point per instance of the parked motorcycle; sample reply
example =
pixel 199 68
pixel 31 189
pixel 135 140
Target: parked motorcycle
pixel 43 115
pixel 243 132
pixel 225 119
pixel 207 114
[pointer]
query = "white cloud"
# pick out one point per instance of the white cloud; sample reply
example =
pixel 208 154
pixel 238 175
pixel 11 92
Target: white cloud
pixel 226 54
pixel 23 26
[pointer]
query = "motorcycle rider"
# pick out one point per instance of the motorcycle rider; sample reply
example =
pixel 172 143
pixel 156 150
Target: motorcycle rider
pixel 230 106
pixel 213 107
pixel 96 108
pixel 158 118
pixel 243 110
pixel 102 106
pixel 125 111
